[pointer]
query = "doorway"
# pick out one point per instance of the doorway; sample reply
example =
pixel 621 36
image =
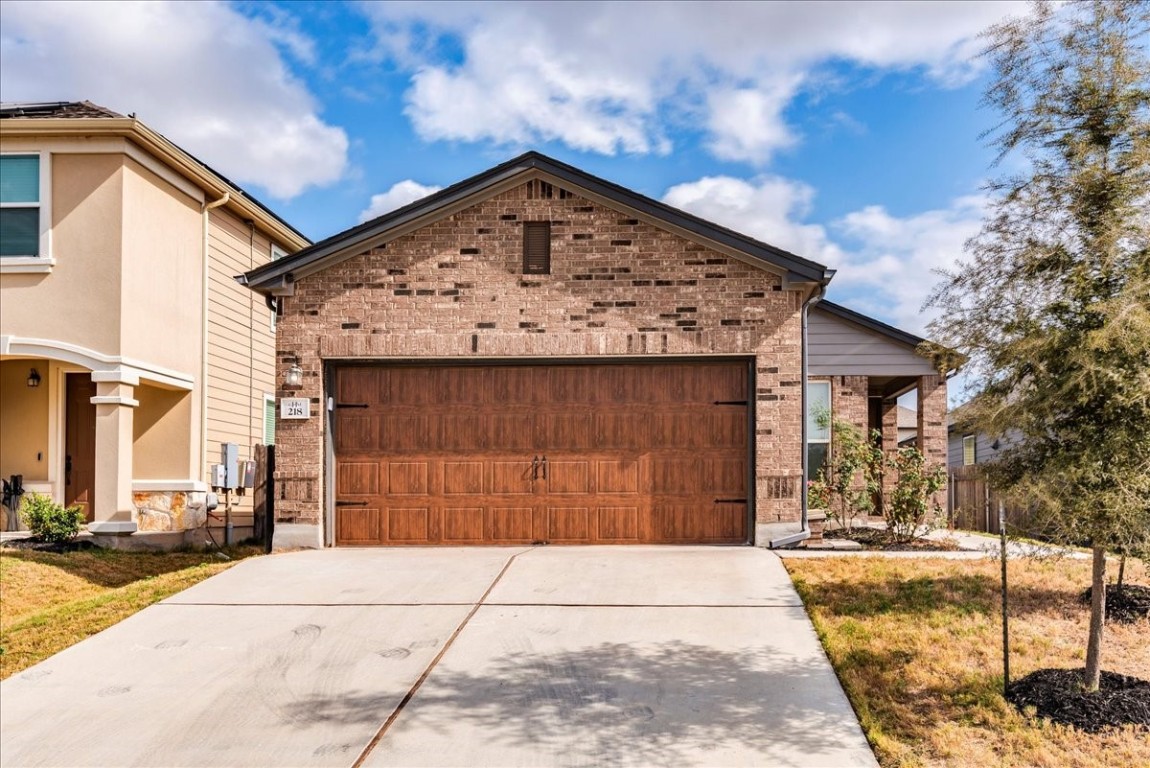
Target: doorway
pixel 80 443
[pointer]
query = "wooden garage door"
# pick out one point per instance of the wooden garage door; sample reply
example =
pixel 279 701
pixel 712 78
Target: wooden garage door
pixel 565 454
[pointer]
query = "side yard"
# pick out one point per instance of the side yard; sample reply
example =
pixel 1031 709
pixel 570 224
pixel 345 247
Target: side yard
pixel 50 601
pixel 917 646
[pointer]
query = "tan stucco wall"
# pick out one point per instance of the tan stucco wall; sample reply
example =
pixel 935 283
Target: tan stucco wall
pixel 78 302
pixel 160 300
pixel 24 421
pixel 161 434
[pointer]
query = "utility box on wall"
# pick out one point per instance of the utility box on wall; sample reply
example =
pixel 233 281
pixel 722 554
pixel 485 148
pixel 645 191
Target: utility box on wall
pixel 230 459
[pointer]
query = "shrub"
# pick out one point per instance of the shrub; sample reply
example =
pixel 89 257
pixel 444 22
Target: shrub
pixel 912 504
pixel 50 521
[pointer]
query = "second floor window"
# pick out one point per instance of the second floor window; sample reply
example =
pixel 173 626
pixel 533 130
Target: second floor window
pixel 20 205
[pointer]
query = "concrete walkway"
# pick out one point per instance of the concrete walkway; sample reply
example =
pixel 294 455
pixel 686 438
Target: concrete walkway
pixel 542 656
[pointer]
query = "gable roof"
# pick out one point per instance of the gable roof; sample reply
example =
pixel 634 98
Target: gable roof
pixel 83 118
pixel 276 276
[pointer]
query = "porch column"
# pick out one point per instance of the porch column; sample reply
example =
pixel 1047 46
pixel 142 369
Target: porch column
pixel 114 403
pixel 889 443
pixel 932 424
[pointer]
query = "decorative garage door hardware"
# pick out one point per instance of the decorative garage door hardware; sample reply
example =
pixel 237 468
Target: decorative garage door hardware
pixel 571 453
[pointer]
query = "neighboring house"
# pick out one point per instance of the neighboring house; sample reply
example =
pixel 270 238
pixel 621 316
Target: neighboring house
pixel 538 355
pixel 967 446
pixel 907 427
pixel 127 352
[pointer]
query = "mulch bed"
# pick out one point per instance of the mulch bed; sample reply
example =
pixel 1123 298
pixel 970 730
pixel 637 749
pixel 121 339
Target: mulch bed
pixel 39 545
pixel 1057 695
pixel 877 538
pixel 1126 605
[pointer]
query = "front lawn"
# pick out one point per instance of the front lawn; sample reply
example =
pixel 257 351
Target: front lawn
pixel 917 646
pixel 50 601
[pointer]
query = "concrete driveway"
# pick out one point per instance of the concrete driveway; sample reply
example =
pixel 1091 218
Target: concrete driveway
pixel 542 656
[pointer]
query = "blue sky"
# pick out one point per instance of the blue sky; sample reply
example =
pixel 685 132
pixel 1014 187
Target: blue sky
pixel 845 132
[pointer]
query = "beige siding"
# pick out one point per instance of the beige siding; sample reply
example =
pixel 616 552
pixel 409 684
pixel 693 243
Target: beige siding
pixel 241 346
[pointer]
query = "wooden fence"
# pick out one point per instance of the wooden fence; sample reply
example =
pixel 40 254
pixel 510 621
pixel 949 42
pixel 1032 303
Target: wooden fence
pixel 973 505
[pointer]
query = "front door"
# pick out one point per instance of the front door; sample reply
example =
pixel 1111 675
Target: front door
pixel 80 443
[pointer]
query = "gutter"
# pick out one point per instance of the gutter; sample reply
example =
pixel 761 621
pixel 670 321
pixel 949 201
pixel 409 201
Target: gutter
pixel 804 532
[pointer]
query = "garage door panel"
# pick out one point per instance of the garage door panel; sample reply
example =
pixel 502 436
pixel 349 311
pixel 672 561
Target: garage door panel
pixel 566 431
pixel 405 478
pixel 356 433
pixel 357 525
pixel 400 434
pixel 361 385
pixel 460 432
pixel 616 477
pixel 635 453
pixel 624 431
pixel 569 524
pixel 357 479
pixel 462 478
pixel 511 478
pixel 568 477
pixel 511 524
pixel 618 523
pixel 513 432
pixel 463 525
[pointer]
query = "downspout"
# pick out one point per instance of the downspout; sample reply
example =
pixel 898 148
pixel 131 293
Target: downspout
pixel 804 532
pixel 205 211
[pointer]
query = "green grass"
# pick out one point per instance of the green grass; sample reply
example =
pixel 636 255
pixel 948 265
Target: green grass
pixel 50 601
pixel 917 647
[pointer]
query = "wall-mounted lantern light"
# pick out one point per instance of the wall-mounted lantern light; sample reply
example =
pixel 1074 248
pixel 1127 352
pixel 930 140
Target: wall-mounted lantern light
pixel 33 378
pixel 294 376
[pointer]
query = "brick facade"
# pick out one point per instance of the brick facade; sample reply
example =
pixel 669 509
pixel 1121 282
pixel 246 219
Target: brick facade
pixel 618 287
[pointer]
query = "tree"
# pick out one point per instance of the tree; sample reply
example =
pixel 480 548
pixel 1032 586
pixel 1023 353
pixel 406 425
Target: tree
pixel 1052 303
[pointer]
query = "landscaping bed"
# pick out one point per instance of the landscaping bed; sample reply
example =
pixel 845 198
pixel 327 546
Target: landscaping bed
pixel 50 600
pixel 882 539
pixel 917 644
pixel 1130 603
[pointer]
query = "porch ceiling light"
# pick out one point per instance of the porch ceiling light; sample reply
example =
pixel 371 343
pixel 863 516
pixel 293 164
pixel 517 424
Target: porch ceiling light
pixel 294 376
pixel 33 378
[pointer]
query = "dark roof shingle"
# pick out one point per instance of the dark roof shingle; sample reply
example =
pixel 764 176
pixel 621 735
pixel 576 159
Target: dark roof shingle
pixel 65 109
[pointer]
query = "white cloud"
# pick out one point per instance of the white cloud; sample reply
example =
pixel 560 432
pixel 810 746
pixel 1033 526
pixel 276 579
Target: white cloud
pixel 618 77
pixel 886 264
pixel 209 78
pixel 400 194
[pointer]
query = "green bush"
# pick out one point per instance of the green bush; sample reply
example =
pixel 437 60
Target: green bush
pixel 50 521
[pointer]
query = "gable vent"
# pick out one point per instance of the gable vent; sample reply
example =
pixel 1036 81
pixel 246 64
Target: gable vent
pixel 537 189
pixel 536 247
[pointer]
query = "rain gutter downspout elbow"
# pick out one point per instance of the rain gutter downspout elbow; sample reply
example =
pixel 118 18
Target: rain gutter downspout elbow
pixel 804 532
pixel 205 211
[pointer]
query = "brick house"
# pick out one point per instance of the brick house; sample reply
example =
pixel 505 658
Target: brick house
pixel 538 355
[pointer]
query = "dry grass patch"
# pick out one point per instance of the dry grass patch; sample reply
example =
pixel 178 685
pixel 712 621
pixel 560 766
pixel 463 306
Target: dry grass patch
pixel 917 646
pixel 51 601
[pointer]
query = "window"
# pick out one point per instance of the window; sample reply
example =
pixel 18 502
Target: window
pixel 22 234
pixel 269 420
pixel 968 444
pixel 536 247
pixel 277 254
pixel 818 426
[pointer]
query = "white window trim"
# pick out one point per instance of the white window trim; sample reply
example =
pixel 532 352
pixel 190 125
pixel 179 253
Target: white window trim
pixel 268 398
pixel 831 405
pixel 277 253
pixel 45 261
pixel 973 442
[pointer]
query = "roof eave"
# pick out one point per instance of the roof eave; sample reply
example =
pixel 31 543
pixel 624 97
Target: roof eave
pixel 180 160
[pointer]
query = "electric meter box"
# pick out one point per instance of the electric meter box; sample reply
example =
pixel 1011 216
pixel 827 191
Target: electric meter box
pixel 218 479
pixel 230 459
pixel 249 474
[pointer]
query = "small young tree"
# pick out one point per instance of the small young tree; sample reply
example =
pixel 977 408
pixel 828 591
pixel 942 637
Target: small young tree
pixel 853 472
pixel 1053 305
pixel 911 506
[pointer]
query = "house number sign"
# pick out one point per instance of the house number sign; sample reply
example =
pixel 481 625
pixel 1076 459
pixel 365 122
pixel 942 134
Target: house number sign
pixel 295 408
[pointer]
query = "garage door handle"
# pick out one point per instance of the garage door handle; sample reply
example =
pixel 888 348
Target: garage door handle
pixel 729 402
pixel 351 405
pixel 730 501
pixel 351 503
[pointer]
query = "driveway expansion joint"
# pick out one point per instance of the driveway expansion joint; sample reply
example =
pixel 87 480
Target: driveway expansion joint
pixel 371 745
